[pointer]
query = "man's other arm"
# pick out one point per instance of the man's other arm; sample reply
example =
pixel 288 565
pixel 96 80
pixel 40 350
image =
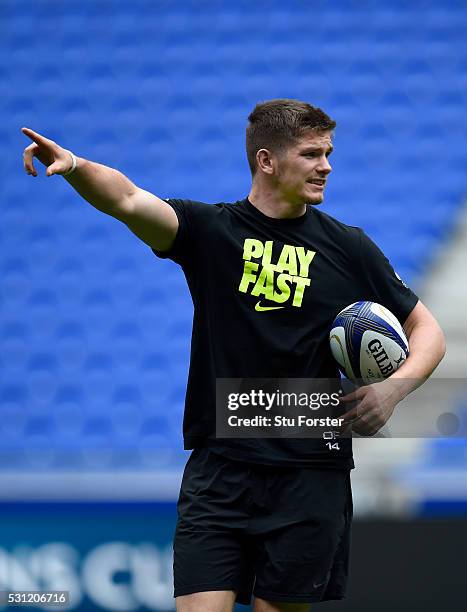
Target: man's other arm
pixel 427 349
pixel 376 402
pixel 150 218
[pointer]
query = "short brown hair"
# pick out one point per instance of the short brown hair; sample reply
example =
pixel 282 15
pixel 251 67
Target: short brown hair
pixel 276 125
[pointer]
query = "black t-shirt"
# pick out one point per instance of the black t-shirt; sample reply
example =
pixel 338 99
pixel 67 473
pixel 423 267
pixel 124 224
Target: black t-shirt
pixel 237 262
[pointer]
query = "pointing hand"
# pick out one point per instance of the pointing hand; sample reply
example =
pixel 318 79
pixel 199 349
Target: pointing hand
pixel 56 159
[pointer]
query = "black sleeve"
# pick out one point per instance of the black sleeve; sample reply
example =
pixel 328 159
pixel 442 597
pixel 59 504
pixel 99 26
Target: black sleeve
pixel 179 251
pixel 386 287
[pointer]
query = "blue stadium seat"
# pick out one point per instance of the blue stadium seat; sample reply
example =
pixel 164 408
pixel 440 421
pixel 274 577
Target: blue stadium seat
pixel 95 330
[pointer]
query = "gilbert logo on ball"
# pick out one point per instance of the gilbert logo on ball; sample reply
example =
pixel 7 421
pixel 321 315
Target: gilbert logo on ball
pixel 368 342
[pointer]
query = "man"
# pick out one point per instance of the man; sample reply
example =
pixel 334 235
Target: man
pixel 267 275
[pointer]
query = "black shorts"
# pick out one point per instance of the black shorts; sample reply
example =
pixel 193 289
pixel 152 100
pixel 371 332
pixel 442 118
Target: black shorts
pixel 282 534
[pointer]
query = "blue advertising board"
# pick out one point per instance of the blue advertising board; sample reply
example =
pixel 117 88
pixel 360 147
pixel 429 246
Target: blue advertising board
pixel 109 556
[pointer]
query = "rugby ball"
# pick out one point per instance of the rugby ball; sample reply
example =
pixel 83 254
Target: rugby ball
pixel 368 342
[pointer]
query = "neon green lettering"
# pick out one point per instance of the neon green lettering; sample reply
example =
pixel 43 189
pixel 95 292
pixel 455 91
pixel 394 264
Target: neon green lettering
pixel 300 283
pixel 252 249
pixel 287 260
pixel 249 275
pixel 265 283
pixel 283 287
pixel 305 258
pixel 267 255
pixel 292 267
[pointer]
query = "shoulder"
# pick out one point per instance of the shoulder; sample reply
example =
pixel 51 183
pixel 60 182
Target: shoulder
pixel 194 211
pixel 335 227
pixel 201 208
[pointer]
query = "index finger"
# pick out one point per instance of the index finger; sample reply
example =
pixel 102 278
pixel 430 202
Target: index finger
pixel 353 395
pixel 38 138
pixel 351 415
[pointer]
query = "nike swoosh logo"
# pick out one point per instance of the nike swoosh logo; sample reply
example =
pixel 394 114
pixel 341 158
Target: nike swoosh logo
pixel 317 585
pixel 260 308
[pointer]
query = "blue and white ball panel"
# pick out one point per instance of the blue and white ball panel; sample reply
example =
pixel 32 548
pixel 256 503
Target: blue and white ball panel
pixel 368 342
pixel 339 351
pixel 380 356
pixel 386 315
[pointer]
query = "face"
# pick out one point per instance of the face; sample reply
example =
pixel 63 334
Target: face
pixel 302 170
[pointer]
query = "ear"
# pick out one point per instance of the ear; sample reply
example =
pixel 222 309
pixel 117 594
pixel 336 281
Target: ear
pixel 266 161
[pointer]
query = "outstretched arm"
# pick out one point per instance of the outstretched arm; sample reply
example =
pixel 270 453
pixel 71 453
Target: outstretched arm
pixel 108 190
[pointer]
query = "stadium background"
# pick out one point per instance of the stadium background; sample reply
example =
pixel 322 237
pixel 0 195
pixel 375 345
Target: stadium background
pixel 95 331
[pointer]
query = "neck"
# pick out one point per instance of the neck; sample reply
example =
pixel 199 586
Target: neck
pixel 272 204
